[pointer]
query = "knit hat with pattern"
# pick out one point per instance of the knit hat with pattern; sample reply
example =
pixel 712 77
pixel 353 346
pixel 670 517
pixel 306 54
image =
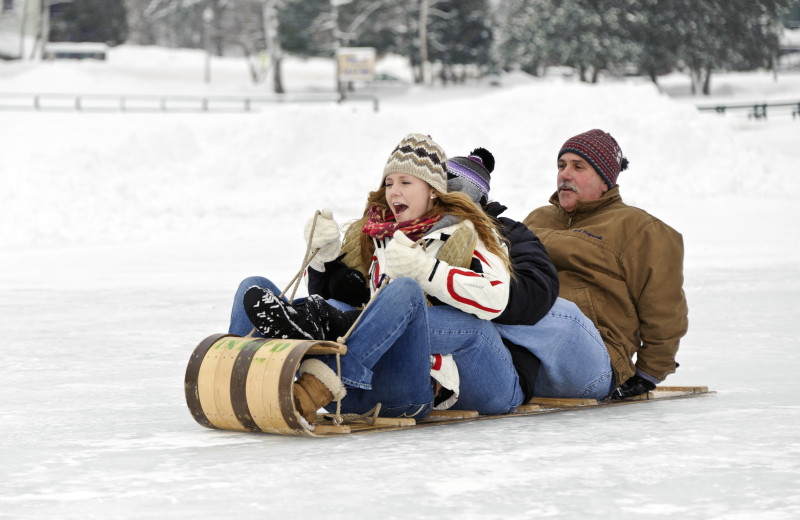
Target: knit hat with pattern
pixel 601 151
pixel 471 174
pixel 419 155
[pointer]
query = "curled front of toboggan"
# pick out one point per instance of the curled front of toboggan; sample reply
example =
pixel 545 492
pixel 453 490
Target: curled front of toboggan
pixel 245 384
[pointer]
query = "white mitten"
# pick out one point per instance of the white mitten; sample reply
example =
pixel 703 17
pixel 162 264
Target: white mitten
pixel 403 259
pixel 326 238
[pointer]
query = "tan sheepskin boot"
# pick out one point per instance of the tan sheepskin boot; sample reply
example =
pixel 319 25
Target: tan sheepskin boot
pixel 315 388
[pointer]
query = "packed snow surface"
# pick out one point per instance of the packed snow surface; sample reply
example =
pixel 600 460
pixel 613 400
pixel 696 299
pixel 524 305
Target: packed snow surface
pixel 125 235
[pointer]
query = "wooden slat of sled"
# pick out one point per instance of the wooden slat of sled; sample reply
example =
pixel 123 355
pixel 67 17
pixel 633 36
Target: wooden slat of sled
pixel 694 389
pixel 526 408
pixel 394 421
pixel 331 429
pixel 459 416
pixel 449 415
pixel 226 418
pixel 562 402
pixel 327 347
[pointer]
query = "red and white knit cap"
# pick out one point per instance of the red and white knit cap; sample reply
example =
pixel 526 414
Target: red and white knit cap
pixel 601 151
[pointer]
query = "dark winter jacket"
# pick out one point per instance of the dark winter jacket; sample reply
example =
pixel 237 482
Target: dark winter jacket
pixel 624 269
pixel 534 288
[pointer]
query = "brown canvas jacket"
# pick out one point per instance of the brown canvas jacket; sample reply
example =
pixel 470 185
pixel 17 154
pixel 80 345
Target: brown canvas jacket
pixel 624 269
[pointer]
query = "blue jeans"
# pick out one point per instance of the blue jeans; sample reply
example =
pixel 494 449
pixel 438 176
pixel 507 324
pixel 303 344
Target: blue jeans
pixel 489 383
pixel 574 359
pixel 388 353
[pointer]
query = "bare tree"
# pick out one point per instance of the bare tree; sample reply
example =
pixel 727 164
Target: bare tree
pixel 269 10
pixel 427 8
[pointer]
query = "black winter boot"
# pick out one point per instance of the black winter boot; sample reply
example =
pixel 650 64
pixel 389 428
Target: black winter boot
pixel 276 318
pixel 333 322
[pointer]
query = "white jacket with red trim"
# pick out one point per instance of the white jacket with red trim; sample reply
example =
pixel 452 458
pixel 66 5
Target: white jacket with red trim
pixel 482 292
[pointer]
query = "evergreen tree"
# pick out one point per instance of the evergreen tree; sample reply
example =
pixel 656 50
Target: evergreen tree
pixel 461 35
pixel 525 37
pixel 653 26
pixel 306 28
pixel 591 35
pixel 727 35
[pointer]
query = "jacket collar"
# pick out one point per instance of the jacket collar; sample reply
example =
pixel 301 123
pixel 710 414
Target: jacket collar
pixel 589 206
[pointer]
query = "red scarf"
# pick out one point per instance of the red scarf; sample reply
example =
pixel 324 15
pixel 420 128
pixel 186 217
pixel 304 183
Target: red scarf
pixel 381 223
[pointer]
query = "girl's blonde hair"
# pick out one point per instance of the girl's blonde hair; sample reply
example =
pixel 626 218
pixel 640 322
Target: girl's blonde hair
pixel 456 204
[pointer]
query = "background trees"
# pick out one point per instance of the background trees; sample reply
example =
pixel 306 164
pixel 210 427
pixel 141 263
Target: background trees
pixel 445 38
pixel 653 36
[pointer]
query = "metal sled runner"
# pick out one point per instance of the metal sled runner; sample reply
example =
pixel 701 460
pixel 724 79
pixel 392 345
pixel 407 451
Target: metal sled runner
pixel 245 384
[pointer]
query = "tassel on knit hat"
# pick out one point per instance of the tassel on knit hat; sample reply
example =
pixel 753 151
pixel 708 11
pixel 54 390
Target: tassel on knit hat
pixel 601 151
pixel 419 155
pixel 471 174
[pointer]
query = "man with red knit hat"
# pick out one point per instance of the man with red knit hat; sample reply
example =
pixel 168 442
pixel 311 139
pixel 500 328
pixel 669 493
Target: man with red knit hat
pixel 621 266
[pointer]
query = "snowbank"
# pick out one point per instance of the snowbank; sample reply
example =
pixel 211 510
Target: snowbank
pixel 79 178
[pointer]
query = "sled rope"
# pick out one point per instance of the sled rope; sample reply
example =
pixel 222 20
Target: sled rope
pixel 344 338
pixel 339 418
pixel 367 417
pixel 306 260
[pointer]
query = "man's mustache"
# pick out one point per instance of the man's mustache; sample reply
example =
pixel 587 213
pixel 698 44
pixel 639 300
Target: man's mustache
pixel 566 185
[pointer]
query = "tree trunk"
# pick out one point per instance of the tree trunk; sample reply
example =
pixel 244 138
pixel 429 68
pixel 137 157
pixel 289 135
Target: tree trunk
pixel 255 77
pixel 22 28
pixel 693 75
pixel 270 17
pixel 277 76
pixel 423 41
pixel 42 32
pixel 707 82
pixel 595 74
pixel 773 63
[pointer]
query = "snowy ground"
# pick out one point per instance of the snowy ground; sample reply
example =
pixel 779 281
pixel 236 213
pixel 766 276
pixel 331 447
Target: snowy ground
pixel 124 236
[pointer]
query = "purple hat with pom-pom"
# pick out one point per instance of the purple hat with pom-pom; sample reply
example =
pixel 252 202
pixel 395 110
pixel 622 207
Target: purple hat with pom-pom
pixel 471 174
pixel 601 151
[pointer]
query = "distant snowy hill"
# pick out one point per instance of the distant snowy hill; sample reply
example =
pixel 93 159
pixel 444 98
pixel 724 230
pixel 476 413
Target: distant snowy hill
pixel 80 177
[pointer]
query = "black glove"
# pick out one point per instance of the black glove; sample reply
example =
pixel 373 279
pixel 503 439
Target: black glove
pixel 634 386
pixel 346 285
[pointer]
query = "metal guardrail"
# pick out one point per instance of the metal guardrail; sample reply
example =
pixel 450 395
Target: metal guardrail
pixel 138 103
pixel 756 110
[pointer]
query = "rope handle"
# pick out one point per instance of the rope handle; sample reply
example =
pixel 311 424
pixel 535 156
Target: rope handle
pixel 306 258
pixel 338 418
pixel 344 338
pixel 309 255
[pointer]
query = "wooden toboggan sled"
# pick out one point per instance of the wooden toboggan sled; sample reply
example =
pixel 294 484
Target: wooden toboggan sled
pixel 245 384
